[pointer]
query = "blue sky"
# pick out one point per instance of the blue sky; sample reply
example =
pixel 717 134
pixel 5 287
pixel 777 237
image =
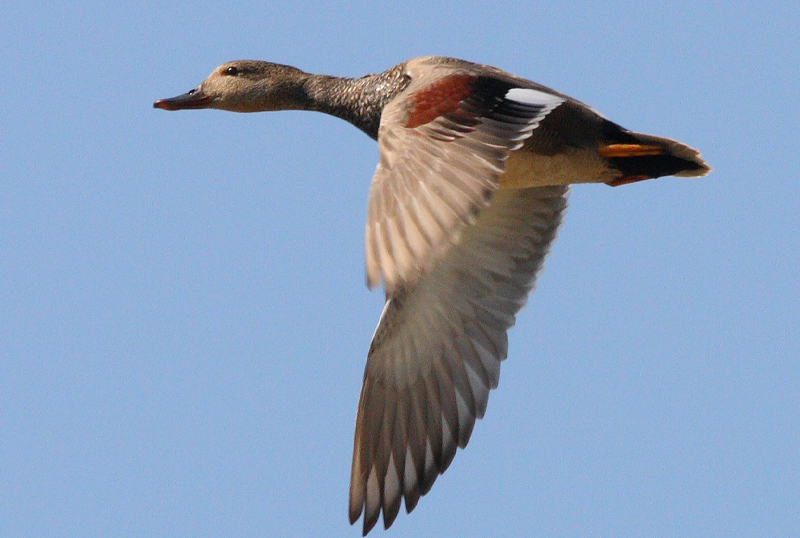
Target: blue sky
pixel 184 321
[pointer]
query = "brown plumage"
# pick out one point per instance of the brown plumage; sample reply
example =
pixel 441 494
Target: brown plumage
pixel 471 186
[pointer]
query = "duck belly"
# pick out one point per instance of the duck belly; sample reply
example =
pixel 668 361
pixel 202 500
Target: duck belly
pixel 528 169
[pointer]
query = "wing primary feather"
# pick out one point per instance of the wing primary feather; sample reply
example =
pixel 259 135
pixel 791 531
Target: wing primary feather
pixel 372 506
pixel 433 438
pixel 410 483
pixel 431 470
pixel 391 493
pixel 460 379
pixel 466 418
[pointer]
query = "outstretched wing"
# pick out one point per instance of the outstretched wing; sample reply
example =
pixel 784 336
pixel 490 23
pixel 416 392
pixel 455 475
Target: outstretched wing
pixel 436 352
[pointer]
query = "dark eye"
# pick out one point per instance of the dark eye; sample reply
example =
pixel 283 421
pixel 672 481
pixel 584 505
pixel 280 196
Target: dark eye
pixel 232 71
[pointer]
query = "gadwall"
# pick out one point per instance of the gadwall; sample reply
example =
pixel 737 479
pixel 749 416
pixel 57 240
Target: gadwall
pixel 475 166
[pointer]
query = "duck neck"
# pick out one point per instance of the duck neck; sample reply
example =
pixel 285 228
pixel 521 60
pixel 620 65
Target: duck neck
pixel 359 101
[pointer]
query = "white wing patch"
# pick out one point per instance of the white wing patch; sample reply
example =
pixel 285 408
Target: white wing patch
pixel 529 97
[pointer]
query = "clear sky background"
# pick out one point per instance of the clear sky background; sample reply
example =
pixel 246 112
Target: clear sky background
pixel 184 321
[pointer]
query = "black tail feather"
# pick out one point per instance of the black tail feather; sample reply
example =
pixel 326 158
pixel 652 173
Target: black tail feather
pixel 674 158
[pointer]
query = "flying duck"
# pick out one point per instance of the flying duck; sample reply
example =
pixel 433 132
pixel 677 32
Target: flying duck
pixel 470 189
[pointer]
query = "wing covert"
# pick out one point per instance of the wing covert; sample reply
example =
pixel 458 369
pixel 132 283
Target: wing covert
pixel 443 149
